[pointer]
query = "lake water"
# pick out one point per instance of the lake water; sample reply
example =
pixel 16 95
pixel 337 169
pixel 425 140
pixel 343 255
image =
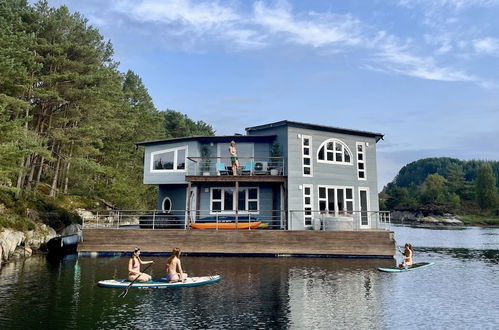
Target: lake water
pixel 461 291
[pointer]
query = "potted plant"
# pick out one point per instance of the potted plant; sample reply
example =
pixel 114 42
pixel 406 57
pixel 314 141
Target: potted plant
pixel 275 153
pixel 205 160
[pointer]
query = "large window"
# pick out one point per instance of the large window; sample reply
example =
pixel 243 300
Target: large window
pixel 223 200
pixel 337 201
pixel 169 160
pixel 334 151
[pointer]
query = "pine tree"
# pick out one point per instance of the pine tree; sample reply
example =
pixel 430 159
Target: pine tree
pixel 485 186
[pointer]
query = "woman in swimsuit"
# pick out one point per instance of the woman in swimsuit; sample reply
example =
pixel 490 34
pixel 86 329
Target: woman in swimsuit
pixel 407 256
pixel 174 272
pixel 134 268
pixel 233 157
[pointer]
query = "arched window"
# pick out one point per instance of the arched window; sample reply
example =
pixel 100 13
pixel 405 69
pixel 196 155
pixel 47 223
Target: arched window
pixel 335 152
pixel 167 205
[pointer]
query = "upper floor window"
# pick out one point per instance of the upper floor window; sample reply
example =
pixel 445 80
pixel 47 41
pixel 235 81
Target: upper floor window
pixel 361 161
pixel 306 155
pixel 169 160
pixel 334 151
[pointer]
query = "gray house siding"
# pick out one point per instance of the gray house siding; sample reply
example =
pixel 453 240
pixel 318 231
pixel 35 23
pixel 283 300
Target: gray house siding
pixel 265 199
pixel 327 174
pixel 166 177
pixel 281 133
pixel 290 138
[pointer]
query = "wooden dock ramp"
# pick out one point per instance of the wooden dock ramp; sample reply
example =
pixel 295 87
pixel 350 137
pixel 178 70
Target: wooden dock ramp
pixel 360 243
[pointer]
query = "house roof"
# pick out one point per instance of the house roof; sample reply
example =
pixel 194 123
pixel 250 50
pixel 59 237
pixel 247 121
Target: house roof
pixel 208 139
pixel 377 136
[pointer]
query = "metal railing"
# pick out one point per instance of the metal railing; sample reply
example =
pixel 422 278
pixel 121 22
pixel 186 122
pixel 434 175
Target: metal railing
pixel 181 219
pixel 269 219
pixel 349 220
pixel 247 166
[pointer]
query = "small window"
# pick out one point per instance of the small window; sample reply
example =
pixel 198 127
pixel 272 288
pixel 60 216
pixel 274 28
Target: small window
pixel 167 205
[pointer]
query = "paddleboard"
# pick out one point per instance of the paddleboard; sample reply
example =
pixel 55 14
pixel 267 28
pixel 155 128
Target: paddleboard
pixel 160 282
pixel 402 269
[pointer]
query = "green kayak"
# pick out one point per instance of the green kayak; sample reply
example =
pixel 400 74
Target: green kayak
pixel 402 269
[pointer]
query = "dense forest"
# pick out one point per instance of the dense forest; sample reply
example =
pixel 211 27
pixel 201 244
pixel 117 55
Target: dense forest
pixel 69 119
pixel 445 185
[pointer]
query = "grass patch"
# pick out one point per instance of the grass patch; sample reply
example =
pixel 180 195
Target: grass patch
pixel 479 220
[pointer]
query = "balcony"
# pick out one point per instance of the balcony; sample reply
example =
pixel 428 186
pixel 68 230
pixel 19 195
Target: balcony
pixel 270 169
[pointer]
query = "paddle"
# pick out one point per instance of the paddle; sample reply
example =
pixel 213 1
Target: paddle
pixel 124 293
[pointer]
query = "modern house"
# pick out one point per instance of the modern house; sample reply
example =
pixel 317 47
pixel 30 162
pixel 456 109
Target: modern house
pixel 292 175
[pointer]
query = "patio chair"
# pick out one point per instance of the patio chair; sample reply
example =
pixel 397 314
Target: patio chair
pixel 248 168
pixel 221 169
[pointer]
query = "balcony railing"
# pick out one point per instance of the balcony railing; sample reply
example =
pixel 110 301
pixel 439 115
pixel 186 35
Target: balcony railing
pixel 247 166
pixel 349 220
pixel 269 219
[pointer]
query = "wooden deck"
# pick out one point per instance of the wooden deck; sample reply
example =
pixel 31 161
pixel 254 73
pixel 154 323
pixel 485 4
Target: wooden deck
pixel 368 243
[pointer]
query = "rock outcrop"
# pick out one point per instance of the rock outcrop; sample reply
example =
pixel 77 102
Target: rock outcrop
pixel 17 244
pixel 418 218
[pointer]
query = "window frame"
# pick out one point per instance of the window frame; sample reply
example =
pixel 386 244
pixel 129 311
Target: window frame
pixel 336 211
pixel 334 161
pixel 163 205
pixel 235 199
pixel 363 161
pixel 308 206
pixel 175 160
pixel 309 156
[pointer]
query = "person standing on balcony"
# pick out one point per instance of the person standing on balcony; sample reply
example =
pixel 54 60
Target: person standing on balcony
pixel 233 157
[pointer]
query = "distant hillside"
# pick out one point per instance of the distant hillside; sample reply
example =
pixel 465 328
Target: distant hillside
pixel 445 185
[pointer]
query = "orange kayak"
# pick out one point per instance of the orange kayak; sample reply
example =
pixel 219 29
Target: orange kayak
pixel 226 225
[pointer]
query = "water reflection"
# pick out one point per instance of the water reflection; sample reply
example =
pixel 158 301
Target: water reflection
pixel 267 292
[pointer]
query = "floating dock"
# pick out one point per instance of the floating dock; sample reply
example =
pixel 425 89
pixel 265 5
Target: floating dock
pixel 249 243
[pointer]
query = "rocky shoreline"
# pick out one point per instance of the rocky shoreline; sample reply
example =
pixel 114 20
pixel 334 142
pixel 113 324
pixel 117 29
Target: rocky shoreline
pixel 17 244
pixel 418 218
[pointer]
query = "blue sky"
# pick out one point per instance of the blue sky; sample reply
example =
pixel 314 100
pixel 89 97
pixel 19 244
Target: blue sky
pixel 423 72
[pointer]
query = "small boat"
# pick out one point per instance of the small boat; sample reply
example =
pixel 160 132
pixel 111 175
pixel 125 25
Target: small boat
pixel 160 282
pixel 403 269
pixel 62 245
pixel 226 225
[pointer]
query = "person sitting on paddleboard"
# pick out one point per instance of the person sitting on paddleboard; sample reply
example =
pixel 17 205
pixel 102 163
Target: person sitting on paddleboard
pixel 174 271
pixel 407 256
pixel 134 267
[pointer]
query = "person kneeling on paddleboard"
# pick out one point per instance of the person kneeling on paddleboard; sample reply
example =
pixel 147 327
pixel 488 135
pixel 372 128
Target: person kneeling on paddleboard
pixel 407 256
pixel 174 271
pixel 134 273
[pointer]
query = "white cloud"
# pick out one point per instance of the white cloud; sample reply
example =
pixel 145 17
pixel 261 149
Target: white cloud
pixel 196 24
pixel 487 46
pixel 208 14
pixel 313 29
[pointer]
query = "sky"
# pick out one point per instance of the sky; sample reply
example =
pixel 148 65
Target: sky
pixel 425 73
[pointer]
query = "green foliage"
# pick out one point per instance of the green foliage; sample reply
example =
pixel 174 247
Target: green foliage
pixel 205 158
pixel 485 186
pixel 69 120
pixel 443 184
pixel 275 151
pixel 179 125
pixel 14 221
pixel 433 189
pixel 53 215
